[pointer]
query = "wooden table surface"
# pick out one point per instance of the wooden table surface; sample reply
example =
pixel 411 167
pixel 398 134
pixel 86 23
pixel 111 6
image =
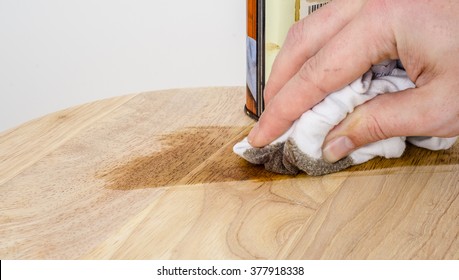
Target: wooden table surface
pixel 153 176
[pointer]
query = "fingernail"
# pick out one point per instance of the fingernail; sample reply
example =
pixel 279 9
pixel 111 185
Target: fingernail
pixel 337 149
pixel 253 134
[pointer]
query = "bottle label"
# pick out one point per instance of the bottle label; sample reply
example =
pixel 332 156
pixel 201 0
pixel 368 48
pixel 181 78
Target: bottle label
pixel 268 22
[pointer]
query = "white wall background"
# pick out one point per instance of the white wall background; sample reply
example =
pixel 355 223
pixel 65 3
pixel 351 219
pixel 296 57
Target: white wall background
pixel 59 53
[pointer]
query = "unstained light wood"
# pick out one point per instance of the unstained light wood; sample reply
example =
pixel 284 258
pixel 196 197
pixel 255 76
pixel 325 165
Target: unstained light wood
pixel 153 176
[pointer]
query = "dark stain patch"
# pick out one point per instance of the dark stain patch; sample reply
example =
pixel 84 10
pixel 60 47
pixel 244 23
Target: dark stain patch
pixel 192 156
pixel 204 155
pixel 413 156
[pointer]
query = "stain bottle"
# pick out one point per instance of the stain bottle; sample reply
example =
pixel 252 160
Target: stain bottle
pixel 268 22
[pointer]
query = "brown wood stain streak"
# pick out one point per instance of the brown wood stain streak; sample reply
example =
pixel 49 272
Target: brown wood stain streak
pixel 226 166
pixel 413 156
pixel 204 155
pixel 184 151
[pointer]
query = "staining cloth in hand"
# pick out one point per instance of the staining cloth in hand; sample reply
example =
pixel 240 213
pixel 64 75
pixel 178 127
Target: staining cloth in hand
pixel 300 148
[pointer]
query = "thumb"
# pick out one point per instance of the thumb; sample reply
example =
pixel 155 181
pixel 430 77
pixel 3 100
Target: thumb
pixel 403 113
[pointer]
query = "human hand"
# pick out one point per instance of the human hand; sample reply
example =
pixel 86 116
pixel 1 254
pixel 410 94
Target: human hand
pixel 338 43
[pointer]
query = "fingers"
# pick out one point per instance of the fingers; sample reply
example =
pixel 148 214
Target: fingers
pixel 349 54
pixel 413 112
pixel 306 38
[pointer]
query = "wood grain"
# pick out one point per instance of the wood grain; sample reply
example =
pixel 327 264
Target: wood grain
pixel 152 176
pixel 21 145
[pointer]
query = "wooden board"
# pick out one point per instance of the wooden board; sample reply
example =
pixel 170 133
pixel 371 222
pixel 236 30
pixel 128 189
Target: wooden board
pixel 153 176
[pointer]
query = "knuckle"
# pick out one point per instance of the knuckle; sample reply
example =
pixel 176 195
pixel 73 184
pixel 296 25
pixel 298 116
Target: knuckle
pixel 296 33
pixel 308 74
pixel 374 129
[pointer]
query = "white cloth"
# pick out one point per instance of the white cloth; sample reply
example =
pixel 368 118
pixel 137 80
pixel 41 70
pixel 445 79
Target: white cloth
pixel 300 148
